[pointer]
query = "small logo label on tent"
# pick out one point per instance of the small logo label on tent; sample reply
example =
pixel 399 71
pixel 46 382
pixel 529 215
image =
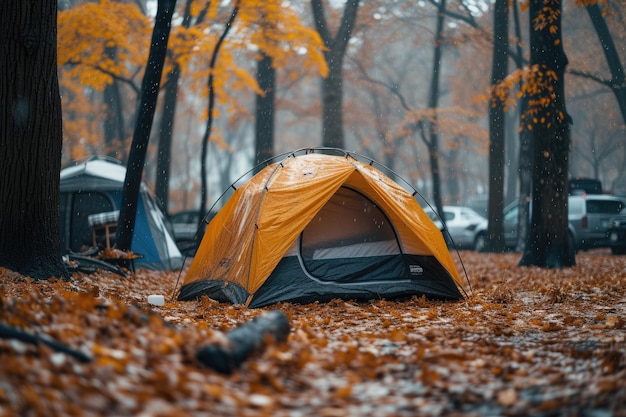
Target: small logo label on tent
pixel 416 270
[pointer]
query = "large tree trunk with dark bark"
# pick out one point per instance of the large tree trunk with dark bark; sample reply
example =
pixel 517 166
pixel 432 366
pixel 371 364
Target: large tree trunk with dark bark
pixel 31 139
pixel 548 243
pixel 495 230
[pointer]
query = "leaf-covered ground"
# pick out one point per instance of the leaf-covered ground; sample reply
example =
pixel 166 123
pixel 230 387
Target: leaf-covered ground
pixel 527 341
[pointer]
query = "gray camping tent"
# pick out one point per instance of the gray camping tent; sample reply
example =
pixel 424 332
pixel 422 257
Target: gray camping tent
pixel 95 186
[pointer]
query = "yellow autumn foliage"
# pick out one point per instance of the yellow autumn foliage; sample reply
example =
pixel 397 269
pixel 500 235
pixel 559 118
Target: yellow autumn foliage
pixel 536 83
pixel 103 40
pixel 278 32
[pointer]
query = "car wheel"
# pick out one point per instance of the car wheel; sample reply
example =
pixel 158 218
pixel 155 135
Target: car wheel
pixel 618 251
pixel 480 243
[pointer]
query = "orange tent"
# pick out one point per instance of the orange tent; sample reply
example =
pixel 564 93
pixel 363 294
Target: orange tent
pixel 314 227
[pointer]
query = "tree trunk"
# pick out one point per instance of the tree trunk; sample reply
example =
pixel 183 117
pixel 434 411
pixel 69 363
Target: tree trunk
pixel 31 139
pixel 525 151
pixel 511 159
pixel 332 85
pixel 618 82
pixel 433 103
pixel 209 124
pixel 164 153
pixel 499 68
pixel 525 182
pixel 332 106
pixel 266 78
pixel 141 136
pixel 548 243
pixel 114 118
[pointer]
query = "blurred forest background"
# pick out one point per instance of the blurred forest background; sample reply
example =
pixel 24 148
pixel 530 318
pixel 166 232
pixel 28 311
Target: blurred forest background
pixel 387 74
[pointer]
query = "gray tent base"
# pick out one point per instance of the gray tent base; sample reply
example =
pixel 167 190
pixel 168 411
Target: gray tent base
pixel 359 279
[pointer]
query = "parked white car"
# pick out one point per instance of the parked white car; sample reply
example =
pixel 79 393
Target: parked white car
pixel 462 224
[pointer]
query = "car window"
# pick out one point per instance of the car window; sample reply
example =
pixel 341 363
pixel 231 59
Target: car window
pixel 468 216
pixel 511 215
pixel 448 215
pixel 575 206
pixel 185 217
pixel 604 207
pixel 178 218
pixel 431 215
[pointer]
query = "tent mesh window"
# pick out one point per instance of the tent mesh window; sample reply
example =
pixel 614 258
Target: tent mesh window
pixel 349 226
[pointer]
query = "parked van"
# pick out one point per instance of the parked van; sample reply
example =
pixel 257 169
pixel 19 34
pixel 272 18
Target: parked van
pixel 590 214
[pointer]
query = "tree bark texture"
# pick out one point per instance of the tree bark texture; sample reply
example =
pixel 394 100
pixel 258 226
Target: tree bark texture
pixel 548 240
pixel 332 85
pixel 499 69
pixel 266 78
pixel 31 139
pixel 145 116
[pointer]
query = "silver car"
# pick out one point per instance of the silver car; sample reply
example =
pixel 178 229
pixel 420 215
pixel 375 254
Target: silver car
pixel 462 224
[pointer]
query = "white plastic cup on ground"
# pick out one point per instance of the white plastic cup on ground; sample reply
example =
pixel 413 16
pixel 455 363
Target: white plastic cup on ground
pixel 157 300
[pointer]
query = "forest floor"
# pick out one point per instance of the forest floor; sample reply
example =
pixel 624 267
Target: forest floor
pixel 527 341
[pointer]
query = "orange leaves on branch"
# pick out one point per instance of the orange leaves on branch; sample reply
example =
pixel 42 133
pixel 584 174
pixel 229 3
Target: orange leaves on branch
pixel 279 33
pixel 547 17
pixel 537 84
pixel 99 41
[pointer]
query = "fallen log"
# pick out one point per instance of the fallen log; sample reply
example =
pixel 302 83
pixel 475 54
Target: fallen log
pixel 9 332
pixel 245 340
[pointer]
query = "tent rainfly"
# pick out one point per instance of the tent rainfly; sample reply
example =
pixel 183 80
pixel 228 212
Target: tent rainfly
pixel 318 226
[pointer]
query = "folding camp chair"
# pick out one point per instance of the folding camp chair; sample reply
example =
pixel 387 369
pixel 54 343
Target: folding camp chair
pixel 103 223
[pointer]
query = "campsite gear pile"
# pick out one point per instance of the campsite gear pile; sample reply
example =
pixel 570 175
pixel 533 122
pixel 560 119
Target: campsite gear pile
pixel 317 225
